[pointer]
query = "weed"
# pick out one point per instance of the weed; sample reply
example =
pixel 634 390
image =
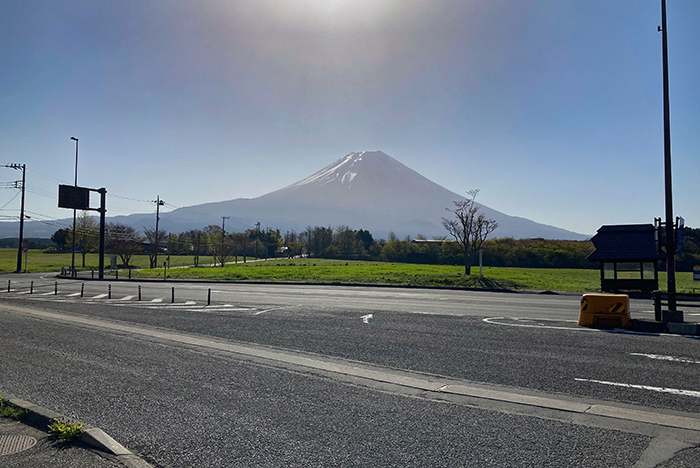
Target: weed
pixel 8 410
pixel 66 431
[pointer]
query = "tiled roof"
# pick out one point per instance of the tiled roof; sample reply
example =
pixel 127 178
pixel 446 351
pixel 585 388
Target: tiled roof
pixel 625 242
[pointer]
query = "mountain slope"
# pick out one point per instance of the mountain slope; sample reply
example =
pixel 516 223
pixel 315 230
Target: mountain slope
pixel 368 190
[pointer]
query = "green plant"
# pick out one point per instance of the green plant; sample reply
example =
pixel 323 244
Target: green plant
pixel 8 410
pixel 66 431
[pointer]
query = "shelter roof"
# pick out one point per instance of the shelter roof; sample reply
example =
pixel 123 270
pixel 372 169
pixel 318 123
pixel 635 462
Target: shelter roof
pixel 625 242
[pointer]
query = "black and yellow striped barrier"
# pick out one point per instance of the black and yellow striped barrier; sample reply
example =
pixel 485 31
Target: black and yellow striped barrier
pixel 605 311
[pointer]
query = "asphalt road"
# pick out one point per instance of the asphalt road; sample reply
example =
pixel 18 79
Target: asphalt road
pixel 183 403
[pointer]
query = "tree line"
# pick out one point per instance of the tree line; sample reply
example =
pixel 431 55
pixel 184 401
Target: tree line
pixel 340 242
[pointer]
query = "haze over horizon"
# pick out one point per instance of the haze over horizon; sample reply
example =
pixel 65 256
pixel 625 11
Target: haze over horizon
pixel 552 108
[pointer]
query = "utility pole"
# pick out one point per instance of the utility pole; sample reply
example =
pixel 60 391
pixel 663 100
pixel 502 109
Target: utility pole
pixel 21 214
pixel 158 203
pixel 223 231
pixel 72 257
pixel 670 231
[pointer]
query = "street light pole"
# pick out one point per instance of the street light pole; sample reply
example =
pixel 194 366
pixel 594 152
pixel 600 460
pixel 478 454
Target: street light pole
pixel 670 231
pixel 72 260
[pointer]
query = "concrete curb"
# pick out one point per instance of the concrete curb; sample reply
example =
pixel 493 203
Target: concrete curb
pixel 40 418
pixel 344 285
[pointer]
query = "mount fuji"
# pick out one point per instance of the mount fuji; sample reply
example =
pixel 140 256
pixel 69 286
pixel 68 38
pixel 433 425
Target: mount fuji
pixel 366 190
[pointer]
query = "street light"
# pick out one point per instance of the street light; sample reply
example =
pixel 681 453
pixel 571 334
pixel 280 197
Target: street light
pixel 72 261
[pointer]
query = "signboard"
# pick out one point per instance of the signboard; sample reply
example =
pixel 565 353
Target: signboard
pixel 679 241
pixel 696 273
pixel 25 245
pixel 77 198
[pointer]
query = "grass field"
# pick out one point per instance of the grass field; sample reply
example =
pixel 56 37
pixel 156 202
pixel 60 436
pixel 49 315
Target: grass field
pixel 40 262
pixel 340 271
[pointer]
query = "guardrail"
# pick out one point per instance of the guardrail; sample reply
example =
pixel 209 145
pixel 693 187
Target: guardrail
pixel 683 300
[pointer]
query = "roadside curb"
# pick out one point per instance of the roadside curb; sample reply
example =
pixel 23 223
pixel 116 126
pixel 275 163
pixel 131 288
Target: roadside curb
pixel 95 438
pixel 299 283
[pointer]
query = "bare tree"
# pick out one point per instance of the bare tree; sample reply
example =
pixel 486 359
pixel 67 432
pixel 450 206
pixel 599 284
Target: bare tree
pixel 124 241
pixel 87 234
pixel 470 228
pixel 151 239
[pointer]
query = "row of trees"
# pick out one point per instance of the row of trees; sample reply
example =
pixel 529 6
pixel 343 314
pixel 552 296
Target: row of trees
pixel 125 242
pixel 342 242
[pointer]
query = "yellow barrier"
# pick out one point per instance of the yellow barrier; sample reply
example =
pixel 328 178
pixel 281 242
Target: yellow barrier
pixel 605 311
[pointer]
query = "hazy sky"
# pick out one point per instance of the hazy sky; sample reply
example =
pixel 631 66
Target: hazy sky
pixel 553 108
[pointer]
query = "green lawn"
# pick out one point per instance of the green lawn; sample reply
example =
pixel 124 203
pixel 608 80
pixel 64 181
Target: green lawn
pixel 40 262
pixel 340 271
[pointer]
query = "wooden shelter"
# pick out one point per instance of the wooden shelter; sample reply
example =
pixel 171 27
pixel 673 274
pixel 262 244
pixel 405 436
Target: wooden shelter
pixel 629 255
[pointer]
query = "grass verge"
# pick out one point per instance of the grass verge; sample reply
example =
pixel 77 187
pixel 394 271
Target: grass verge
pixel 8 410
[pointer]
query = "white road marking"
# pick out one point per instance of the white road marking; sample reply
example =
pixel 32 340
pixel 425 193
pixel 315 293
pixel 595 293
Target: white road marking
pixel 24 292
pixel 190 303
pixel 674 391
pixel 666 358
pixel 365 318
pixel 157 300
pixel 126 298
pixel 47 294
pixel 269 310
pixel 99 296
pixel 491 321
pixel 73 295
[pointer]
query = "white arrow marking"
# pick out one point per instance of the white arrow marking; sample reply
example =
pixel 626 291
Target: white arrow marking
pixel 365 318
pixel 666 358
pixel 673 391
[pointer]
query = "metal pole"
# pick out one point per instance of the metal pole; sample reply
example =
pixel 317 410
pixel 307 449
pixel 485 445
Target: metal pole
pixel 9 282
pixel 31 288
pixel 670 231
pixel 82 289
pixel 209 297
pixel 173 296
pixel 139 292
pixel 72 261
pixel 103 212
pixel 109 292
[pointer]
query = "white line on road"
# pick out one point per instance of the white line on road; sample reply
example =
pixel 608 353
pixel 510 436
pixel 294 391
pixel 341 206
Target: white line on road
pixel 269 310
pixel 126 298
pixel 666 358
pixel 73 295
pixel 491 320
pixel 157 300
pixel 674 391
pixel 24 292
pixel 99 296
pixel 365 318
pixel 47 294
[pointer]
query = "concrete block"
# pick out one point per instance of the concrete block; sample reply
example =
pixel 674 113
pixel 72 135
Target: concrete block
pixel 683 328
pixel 672 316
